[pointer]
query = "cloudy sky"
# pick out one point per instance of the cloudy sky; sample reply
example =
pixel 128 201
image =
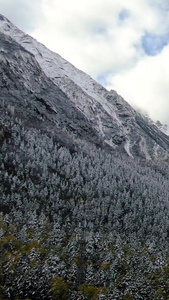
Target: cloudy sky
pixel 123 44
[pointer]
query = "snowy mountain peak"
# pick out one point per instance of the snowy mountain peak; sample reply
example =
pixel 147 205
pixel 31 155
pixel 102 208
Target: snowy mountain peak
pixel 115 123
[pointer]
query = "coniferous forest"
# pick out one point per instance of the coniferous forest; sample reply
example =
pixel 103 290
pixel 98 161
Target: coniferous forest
pixel 84 184
pixel 80 223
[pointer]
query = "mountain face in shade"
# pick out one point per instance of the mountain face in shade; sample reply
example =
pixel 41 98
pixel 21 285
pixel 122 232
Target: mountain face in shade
pixel 49 93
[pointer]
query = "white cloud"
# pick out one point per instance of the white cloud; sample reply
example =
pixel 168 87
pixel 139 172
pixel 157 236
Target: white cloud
pixel 91 35
pixel 146 85
pixel 24 14
pixel 104 39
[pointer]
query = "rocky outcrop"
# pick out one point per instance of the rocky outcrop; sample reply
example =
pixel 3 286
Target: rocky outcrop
pixel 48 92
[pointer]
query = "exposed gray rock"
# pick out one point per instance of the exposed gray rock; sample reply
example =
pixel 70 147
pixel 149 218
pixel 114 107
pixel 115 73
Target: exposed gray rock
pixel 29 95
pixel 49 93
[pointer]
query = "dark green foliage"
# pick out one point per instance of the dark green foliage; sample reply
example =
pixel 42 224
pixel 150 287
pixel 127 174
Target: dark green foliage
pixel 91 292
pixel 128 296
pixel 59 289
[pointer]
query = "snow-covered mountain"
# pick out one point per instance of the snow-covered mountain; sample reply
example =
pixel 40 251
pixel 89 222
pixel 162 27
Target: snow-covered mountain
pixel 84 190
pixel 80 108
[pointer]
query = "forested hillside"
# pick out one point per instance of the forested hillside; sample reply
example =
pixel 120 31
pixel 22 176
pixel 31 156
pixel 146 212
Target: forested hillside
pixel 79 223
pixel 84 184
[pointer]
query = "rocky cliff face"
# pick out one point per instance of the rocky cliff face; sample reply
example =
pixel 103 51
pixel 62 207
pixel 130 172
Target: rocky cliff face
pixel 46 91
pixel 80 216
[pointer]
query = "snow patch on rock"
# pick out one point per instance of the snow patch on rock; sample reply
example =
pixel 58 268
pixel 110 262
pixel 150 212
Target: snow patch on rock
pixel 144 149
pixel 127 148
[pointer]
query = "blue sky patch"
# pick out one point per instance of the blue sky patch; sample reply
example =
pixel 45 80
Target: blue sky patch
pixel 153 44
pixel 123 15
pixel 102 80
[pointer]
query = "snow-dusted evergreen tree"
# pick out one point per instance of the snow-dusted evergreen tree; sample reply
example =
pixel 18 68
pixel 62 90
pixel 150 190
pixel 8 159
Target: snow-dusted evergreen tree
pixel 96 223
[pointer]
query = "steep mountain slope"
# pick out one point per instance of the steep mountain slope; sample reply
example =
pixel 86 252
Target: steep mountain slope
pixel 113 122
pixel 28 94
pixel 81 215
